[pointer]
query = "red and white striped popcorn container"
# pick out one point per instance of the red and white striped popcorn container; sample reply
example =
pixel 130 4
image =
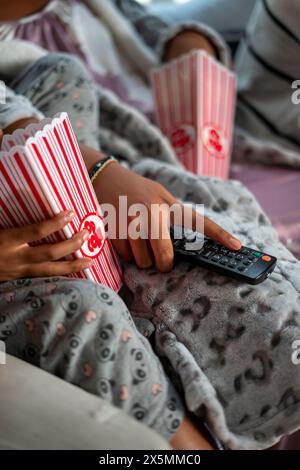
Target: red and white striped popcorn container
pixel 195 99
pixel 42 173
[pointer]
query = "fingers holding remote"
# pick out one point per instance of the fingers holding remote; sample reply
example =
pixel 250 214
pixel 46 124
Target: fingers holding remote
pixel 202 224
pixel 217 233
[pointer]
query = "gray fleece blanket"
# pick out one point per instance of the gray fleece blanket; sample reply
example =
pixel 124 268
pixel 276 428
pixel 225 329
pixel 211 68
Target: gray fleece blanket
pixel 227 345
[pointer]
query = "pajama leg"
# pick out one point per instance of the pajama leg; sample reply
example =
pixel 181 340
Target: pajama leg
pixel 59 83
pixel 83 333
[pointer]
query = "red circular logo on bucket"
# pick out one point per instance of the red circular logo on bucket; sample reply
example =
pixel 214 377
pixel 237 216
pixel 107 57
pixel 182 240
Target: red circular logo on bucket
pixel 183 138
pixel 214 141
pixel 94 244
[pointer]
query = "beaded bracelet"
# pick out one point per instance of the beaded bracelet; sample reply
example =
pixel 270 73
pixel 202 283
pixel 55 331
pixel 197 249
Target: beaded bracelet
pixel 99 166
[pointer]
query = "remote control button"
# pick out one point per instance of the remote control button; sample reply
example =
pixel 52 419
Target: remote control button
pixel 190 237
pixel 251 258
pixel 245 251
pixel 223 251
pixel 232 264
pixel 224 261
pixel 231 254
pixel 239 257
pixel 257 254
pixel 241 268
pixel 214 248
pixel 216 258
pixel 246 262
pixel 207 254
pixel 191 249
pixel 266 258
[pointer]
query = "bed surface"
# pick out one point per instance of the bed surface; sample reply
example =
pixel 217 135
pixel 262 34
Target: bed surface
pixel 278 191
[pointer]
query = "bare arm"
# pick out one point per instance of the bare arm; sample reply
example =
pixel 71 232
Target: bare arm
pixel 14 9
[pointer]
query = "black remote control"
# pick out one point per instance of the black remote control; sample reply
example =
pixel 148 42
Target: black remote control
pixel 247 265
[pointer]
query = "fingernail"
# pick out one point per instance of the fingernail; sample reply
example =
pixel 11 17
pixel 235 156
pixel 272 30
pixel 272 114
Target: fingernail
pixel 234 243
pixel 85 235
pixel 69 215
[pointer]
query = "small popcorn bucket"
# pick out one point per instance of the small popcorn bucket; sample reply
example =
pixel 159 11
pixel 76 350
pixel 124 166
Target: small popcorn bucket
pixel 195 100
pixel 42 173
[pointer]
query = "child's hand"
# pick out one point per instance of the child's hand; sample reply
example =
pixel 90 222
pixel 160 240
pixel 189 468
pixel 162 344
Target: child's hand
pixel 19 260
pixel 186 42
pixel 115 181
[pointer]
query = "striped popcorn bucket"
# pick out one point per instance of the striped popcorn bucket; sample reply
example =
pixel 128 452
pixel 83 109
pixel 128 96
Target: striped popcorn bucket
pixel 42 173
pixel 195 102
